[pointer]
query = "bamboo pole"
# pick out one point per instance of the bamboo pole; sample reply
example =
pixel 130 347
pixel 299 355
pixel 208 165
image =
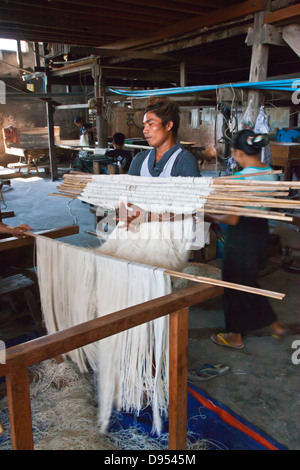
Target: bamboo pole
pixel 225 284
pixel 207 280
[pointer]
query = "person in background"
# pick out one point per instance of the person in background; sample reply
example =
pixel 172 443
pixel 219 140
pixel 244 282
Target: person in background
pixel 86 129
pixel 119 158
pixel 245 254
pixel 83 161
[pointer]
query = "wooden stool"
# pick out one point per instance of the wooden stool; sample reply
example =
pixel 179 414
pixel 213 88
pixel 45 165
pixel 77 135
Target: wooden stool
pixel 22 284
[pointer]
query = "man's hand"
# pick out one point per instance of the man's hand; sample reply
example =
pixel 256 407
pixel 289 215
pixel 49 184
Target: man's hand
pixel 130 216
pixel 19 230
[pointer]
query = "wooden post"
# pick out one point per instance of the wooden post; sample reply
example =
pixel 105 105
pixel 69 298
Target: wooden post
pixel 178 359
pixel 19 56
pixel 18 395
pixel 259 61
pixel 182 74
pixel 100 97
pixel 101 126
pixel 51 140
pixel 37 54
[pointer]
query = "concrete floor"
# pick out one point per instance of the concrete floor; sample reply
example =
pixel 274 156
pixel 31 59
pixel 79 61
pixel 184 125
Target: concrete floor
pixel 263 384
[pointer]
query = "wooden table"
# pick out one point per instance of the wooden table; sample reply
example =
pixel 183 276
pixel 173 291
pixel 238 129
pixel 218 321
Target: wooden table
pixel 286 155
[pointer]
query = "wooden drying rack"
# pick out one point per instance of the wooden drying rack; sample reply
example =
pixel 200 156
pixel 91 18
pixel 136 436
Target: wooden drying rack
pixel 21 357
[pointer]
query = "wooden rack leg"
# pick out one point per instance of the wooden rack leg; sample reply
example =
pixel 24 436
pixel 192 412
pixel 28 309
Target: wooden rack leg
pixel 178 361
pixel 18 395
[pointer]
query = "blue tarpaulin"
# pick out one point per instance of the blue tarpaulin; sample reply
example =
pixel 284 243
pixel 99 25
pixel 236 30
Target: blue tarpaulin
pixel 208 420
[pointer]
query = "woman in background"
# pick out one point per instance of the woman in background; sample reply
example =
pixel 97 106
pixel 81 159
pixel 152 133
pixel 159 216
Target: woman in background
pixel 245 254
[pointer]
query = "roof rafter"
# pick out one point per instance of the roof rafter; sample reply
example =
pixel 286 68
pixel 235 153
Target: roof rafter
pixel 219 16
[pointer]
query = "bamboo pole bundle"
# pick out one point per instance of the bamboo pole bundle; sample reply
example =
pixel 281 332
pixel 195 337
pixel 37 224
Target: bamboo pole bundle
pixel 224 195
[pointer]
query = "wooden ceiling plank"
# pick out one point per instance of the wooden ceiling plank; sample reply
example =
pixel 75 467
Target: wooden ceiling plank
pixel 67 25
pixel 217 17
pixel 207 3
pixel 87 18
pixel 126 7
pixel 62 38
pixel 75 10
pixel 34 31
pixel 167 5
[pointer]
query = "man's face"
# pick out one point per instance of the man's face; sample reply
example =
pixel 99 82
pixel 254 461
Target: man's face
pixel 155 133
pixel 79 123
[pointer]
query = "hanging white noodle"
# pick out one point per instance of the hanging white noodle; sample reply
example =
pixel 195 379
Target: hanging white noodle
pixel 78 285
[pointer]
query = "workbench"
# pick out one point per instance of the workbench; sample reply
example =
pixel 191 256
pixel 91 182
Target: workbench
pixel 32 148
pixel 287 156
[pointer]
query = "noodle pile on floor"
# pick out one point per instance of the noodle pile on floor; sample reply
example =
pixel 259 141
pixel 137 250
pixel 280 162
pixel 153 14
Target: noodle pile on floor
pixel 64 415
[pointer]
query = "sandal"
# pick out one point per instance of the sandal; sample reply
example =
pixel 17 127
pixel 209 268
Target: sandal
pixel 224 343
pixel 207 372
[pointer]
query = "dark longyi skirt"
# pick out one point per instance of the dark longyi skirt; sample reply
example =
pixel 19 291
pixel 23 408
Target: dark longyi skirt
pixel 244 255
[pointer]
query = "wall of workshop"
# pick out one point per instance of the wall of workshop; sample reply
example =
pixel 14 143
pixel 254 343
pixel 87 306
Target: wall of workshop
pixel 129 121
pixel 18 114
pixel 126 120
pixel 31 114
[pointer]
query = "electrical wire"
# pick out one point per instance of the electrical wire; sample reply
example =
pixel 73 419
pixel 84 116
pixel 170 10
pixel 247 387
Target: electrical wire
pixel 75 220
pixel 279 85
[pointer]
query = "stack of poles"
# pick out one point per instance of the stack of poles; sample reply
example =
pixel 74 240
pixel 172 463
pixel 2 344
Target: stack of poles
pixel 225 195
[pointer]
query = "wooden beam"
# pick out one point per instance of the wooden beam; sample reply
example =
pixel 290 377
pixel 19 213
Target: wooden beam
pixel 20 357
pixel 284 15
pixel 217 17
pixel 291 35
pixel 104 52
pixel 122 72
pixel 46 347
pixel 204 37
pixel 12 243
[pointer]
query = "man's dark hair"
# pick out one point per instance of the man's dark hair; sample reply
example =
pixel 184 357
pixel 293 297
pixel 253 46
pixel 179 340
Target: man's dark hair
pixel 78 119
pixel 119 138
pixel 167 111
